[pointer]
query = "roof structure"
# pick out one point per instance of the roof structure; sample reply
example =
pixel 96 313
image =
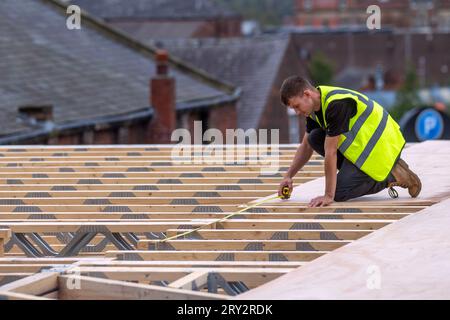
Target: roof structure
pixel 86 74
pixel 249 63
pixel 156 9
pixel 161 29
pixel 108 211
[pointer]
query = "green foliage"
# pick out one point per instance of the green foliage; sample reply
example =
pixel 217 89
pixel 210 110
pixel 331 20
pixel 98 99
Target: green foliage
pixel 266 12
pixel 408 95
pixel 321 69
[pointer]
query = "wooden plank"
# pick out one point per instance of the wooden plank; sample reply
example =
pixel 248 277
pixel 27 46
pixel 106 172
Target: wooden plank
pixel 192 281
pixel 5 234
pixel 199 180
pixel 186 216
pixel 233 265
pixel 37 284
pixel 9 277
pixel 54 226
pixel 32 267
pixel 187 159
pixel 132 200
pixel 335 208
pixel 223 245
pixel 154 175
pixel 135 186
pixel 112 208
pixel 48 260
pixel 138 194
pixel 186 278
pixel 217 255
pixel 226 208
pixel 52 295
pixel 99 289
pixel 301 224
pixel 261 234
pixel 8 295
pixel 148 147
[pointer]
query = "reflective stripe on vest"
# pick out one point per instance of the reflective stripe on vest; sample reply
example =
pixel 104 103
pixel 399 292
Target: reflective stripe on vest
pixel 387 150
pixel 351 135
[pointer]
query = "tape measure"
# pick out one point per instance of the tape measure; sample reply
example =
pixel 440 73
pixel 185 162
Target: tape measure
pixel 285 194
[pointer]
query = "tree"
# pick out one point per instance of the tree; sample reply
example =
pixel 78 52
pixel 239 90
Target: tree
pixel 408 95
pixel 321 69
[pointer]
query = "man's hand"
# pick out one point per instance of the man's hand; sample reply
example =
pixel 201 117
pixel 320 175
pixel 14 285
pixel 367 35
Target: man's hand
pixel 322 201
pixel 287 182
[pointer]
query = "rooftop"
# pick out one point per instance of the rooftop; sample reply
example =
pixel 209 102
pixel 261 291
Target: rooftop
pixel 249 63
pixel 110 211
pixel 85 74
pixel 156 9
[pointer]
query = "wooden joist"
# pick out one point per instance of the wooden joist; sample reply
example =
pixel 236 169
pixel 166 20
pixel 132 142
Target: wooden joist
pixel 86 226
pixel 216 265
pixel 37 284
pixel 185 278
pixel 150 180
pixel 260 234
pixel 19 296
pixel 5 234
pixel 206 255
pixel 242 245
pixel 87 186
pixel 105 289
pixel 168 216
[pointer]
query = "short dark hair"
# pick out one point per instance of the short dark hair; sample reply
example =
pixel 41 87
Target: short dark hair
pixel 292 87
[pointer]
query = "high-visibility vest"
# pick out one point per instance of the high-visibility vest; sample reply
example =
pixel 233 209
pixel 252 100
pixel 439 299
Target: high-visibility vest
pixel 374 140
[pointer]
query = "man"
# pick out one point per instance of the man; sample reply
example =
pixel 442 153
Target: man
pixel 355 135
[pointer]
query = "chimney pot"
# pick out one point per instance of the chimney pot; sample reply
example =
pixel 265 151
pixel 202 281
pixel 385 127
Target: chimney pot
pixel 162 61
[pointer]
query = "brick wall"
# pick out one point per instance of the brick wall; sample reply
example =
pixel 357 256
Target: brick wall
pixel 391 51
pixel 219 28
pixel 398 13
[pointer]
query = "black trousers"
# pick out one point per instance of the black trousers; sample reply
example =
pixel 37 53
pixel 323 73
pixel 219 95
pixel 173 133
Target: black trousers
pixel 351 181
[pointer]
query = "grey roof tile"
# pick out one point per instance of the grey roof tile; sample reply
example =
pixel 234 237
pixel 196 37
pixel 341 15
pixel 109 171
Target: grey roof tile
pixel 251 64
pixel 156 9
pixel 83 73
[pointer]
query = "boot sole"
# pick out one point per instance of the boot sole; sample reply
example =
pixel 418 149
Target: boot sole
pixel 403 164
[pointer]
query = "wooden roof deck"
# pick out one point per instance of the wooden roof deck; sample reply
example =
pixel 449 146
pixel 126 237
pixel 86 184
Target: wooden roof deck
pixel 98 215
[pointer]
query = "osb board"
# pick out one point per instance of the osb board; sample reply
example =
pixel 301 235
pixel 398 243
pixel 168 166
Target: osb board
pixel 429 160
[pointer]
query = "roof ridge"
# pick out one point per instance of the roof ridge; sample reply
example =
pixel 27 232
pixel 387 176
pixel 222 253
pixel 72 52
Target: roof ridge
pixel 149 50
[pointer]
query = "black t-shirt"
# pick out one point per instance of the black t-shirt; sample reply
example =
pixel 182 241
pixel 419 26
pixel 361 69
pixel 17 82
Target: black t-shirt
pixel 338 116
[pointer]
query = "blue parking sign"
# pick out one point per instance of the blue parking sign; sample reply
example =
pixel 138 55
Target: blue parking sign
pixel 429 125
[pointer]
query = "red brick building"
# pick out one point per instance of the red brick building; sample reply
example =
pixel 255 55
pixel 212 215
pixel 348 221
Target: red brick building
pixel 398 13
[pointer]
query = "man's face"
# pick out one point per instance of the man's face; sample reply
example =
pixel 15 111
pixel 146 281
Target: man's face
pixel 302 104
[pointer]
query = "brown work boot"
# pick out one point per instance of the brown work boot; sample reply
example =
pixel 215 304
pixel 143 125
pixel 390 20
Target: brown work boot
pixel 405 178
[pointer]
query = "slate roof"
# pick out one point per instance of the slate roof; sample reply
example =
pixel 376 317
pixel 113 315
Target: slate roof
pixel 87 73
pixel 161 29
pixel 156 9
pixel 249 63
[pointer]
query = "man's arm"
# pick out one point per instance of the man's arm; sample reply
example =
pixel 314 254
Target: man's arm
pixel 331 144
pixel 302 156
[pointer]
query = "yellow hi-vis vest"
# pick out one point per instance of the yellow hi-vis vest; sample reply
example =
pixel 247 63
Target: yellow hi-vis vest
pixel 374 140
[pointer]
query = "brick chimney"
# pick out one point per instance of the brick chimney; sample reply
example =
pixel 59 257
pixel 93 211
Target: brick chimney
pixel 162 100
